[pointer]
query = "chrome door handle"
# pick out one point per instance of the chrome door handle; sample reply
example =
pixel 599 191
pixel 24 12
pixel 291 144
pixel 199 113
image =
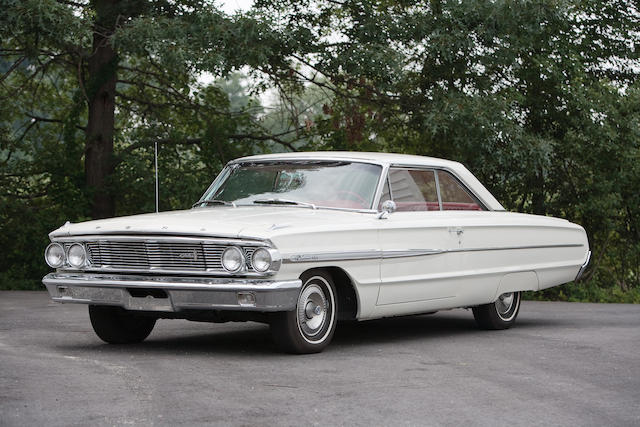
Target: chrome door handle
pixel 457 230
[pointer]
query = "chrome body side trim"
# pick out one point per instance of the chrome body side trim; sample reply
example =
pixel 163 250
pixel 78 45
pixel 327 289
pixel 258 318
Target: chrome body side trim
pixel 401 253
pixel 181 293
pixel 405 253
pixel 357 255
pixel 583 267
pixel 508 248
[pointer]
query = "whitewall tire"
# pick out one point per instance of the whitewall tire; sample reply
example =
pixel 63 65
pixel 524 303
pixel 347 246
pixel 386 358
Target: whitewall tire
pixel 310 327
pixel 500 314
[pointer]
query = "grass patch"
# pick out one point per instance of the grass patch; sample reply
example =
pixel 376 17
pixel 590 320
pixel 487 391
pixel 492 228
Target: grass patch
pixel 586 292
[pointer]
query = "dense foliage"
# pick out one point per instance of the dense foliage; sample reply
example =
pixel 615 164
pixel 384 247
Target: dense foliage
pixel 540 99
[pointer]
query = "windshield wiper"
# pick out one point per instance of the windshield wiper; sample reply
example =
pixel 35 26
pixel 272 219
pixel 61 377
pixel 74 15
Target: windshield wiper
pixel 284 202
pixel 213 202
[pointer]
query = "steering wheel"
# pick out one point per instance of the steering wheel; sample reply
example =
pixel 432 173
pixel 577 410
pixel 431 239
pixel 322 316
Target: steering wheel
pixel 353 196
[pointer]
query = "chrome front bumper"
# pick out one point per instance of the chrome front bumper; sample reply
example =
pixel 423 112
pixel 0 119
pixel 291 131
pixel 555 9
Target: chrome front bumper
pixel 173 294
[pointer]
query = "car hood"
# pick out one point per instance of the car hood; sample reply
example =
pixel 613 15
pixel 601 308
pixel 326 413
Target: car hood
pixel 218 221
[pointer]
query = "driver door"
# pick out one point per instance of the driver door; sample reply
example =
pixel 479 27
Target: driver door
pixel 415 242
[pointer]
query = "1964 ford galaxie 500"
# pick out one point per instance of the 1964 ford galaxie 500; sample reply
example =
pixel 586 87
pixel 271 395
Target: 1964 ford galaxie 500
pixel 301 240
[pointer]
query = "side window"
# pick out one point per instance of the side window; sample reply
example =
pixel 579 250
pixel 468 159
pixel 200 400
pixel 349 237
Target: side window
pixel 454 196
pixel 414 190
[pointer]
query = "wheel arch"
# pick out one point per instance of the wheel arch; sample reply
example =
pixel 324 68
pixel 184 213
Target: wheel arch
pixel 347 294
pixel 517 282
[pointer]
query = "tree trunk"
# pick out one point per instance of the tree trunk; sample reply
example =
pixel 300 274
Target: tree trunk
pixel 101 90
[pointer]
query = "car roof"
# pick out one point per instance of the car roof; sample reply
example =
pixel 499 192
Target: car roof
pixel 390 158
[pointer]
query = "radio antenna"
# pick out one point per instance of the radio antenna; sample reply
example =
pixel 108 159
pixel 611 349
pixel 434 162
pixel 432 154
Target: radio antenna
pixel 156 171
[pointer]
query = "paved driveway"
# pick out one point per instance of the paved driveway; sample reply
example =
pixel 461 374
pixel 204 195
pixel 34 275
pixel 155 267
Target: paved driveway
pixel 563 364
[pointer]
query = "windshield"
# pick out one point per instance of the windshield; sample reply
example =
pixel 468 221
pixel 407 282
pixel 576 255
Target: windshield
pixel 309 183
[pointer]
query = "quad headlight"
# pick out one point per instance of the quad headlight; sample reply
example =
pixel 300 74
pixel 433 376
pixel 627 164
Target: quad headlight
pixel 261 260
pixel 77 255
pixel 54 255
pixel 58 255
pixel 233 259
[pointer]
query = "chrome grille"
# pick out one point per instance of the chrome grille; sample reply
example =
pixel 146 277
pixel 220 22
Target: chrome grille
pixel 151 255
pixel 248 252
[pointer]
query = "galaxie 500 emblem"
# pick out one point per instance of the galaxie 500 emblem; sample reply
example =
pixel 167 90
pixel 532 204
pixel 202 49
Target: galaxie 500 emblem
pixel 193 255
pixel 303 258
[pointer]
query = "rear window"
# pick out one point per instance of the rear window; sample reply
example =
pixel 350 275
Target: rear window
pixel 454 196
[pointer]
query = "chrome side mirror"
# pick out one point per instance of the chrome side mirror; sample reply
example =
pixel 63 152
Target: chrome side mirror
pixel 388 207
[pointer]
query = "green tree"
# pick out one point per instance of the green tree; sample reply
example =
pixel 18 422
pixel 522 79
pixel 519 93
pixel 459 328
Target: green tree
pixel 88 87
pixel 537 98
pixel 139 56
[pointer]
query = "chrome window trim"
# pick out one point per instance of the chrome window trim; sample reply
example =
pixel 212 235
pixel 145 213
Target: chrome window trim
pixel 435 173
pixel 401 253
pixel 384 176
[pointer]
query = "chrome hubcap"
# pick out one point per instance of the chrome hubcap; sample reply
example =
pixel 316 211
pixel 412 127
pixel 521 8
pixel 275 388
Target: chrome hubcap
pixel 312 310
pixel 504 303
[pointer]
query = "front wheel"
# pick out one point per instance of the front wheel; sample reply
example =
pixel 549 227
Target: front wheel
pixel 310 327
pixel 116 325
pixel 500 314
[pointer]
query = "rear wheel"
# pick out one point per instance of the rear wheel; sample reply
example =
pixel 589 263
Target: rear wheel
pixel 500 314
pixel 310 327
pixel 116 325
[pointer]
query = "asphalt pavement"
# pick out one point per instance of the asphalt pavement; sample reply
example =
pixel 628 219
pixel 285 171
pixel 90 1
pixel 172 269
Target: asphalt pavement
pixel 563 364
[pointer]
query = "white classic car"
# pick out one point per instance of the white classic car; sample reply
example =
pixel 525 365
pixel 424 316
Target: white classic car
pixel 301 240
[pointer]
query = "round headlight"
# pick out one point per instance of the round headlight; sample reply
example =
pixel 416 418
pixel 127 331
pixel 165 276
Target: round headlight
pixel 261 260
pixel 77 255
pixel 233 259
pixel 54 255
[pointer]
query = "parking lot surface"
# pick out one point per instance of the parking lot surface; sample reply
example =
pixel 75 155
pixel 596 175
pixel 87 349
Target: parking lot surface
pixel 562 364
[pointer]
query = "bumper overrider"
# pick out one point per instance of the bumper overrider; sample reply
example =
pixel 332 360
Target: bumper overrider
pixel 173 294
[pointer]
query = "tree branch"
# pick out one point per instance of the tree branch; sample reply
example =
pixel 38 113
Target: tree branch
pixel 50 120
pixel 265 138
pixel 13 67
pixel 73 3
pixel 196 141
pixel 31 124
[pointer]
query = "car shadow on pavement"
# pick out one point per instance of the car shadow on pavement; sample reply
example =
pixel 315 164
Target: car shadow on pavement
pixel 404 328
pixel 254 339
